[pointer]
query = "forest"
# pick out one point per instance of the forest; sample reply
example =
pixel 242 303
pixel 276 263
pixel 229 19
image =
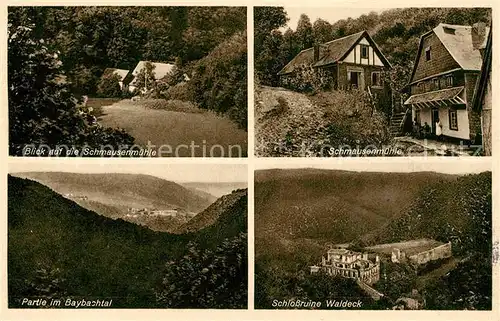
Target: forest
pixel 60 250
pixel 325 208
pixel 58 54
pixel 396 32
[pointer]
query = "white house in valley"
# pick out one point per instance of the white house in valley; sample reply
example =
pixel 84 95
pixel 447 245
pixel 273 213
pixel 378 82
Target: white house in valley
pixel 160 70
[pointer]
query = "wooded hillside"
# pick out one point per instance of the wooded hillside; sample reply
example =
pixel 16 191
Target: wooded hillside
pixel 396 32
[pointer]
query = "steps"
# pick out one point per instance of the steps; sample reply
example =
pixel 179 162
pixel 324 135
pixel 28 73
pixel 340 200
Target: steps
pixel 396 124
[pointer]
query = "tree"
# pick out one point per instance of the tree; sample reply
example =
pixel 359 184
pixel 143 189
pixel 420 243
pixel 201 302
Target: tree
pixel 42 109
pixel 109 86
pixel 322 31
pixel 145 79
pixel 269 54
pixel 304 32
pixel 205 278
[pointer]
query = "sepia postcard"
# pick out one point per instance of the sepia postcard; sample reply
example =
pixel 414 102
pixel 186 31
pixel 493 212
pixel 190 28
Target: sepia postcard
pixel 250 160
pixel 388 82
pixel 128 236
pixel 127 81
pixel 391 240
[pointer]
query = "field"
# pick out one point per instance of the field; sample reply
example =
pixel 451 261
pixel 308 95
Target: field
pixel 177 129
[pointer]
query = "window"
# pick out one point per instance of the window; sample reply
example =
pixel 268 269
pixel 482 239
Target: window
pixel 421 87
pixel 427 53
pixel 417 117
pixel 364 51
pixel 376 79
pixel 449 81
pixel 436 83
pixel 452 113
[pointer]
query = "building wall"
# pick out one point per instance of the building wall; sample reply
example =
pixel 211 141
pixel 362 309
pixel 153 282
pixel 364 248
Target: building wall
pixel 354 56
pixel 428 83
pixel 474 116
pixel 440 61
pixel 462 117
pixel 367 74
pixel 486 119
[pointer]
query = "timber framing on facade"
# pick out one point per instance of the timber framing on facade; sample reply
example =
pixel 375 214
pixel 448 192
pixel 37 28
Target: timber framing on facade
pixel 353 62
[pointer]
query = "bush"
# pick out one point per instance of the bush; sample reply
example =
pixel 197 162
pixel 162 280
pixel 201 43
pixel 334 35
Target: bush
pixel 109 85
pixel 308 79
pixel 219 80
pixel 207 279
pixel 179 91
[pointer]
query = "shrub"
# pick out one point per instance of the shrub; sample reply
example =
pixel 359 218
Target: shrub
pixel 42 109
pixel 205 278
pixel 308 79
pixel 219 80
pixel 109 85
pixel 179 91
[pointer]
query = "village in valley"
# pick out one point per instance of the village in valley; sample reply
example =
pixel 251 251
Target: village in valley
pixel 423 87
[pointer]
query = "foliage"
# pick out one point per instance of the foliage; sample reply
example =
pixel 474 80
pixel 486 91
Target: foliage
pixel 58 249
pixel 272 283
pixel 308 79
pixel 91 39
pixel 219 80
pixel 467 287
pixel 465 206
pixel 109 86
pixel 396 32
pixel 269 57
pixel 206 278
pixel 42 109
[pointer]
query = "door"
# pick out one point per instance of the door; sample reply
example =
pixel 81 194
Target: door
pixel 434 118
pixel 355 79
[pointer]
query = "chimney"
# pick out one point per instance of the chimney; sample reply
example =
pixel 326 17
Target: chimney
pixel 316 52
pixel 478 35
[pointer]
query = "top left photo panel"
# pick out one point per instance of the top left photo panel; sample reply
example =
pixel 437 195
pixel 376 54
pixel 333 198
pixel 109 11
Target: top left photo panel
pixel 127 81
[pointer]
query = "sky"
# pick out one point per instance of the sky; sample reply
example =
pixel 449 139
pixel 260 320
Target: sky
pixel 181 173
pixel 466 165
pixel 329 14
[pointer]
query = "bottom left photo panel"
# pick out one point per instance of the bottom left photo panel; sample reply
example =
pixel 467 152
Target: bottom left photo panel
pixel 136 234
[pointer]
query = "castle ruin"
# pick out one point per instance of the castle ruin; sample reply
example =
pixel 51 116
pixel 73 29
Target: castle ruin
pixel 349 264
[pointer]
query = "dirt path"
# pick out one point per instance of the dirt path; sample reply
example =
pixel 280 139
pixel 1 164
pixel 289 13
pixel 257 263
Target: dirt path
pixel 210 135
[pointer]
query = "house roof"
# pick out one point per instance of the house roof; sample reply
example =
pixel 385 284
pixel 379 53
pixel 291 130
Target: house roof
pixel 336 49
pixel 331 52
pixel 448 94
pixel 122 73
pixel 457 40
pixel 459 44
pixel 160 70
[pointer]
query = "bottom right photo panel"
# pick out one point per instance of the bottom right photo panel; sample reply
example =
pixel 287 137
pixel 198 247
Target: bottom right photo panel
pixel 374 236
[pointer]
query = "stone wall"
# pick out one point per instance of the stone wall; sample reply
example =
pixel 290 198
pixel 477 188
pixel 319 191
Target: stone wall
pixel 440 252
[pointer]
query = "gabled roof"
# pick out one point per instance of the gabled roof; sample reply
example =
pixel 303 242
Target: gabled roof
pixel 122 73
pixel 457 40
pixel 459 45
pixel 331 52
pixel 160 70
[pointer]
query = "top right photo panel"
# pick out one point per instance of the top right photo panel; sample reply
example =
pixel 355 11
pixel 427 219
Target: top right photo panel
pixel 351 82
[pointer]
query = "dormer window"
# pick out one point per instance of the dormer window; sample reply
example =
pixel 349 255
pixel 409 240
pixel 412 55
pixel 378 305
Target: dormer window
pixel 449 30
pixel 364 51
pixel 428 53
